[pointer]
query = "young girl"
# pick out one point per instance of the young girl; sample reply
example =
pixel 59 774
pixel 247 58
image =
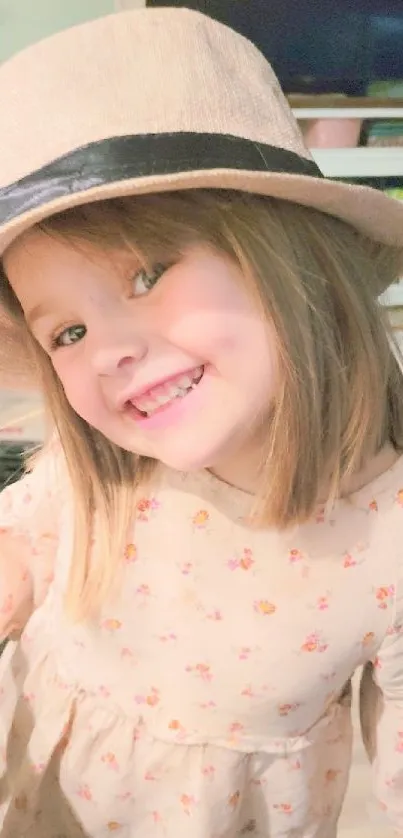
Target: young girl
pixel 210 544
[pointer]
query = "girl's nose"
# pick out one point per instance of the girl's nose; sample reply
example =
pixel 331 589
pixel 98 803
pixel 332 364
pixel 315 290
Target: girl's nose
pixel 114 355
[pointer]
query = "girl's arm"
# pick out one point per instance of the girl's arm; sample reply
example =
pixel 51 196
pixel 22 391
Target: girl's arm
pixel 28 542
pixel 381 706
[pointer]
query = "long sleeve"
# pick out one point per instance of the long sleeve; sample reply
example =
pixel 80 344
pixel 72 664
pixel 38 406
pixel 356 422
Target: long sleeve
pixel 28 541
pixel 381 706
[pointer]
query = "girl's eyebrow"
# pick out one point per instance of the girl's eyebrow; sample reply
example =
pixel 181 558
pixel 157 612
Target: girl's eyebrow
pixel 37 312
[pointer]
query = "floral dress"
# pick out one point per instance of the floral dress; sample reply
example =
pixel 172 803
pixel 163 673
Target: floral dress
pixel 210 700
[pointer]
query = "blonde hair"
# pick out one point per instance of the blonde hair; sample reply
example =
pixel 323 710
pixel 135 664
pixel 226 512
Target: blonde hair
pixel 339 397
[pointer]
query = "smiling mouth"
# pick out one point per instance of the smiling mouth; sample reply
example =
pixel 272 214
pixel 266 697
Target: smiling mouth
pixel 160 397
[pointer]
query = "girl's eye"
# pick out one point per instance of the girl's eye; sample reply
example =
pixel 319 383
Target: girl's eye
pixel 69 336
pixel 144 281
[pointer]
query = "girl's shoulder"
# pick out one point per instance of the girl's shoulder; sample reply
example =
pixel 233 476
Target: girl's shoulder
pixel 38 495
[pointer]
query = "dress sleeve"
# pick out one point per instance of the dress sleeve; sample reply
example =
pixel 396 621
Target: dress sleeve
pixel 381 709
pixel 28 541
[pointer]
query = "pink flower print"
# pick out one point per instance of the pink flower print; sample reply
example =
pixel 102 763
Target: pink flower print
pixel 373 506
pixel 286 709
pixel 216 616
pixel 110 760
pixel 236 727
pixel 188 802
pixel 285 808
pixel 295 556
pixel 247 561
pixel 349 560
pixel 175 725
pixel 233 564
pixel 111 624
pixel 186 568
pixel 323 603
pixel 130 553
pixel 126 653
pixel 25 574
pixel 244 563
pixel 399 497
pixel 248 692
pixel 144 590
pixel 295 765
pixel 368 639
pixel 201 669
pixel 259 783
pixel 234 799
pixel 84 792
pixel 264 607
pixel 244 653
pixel 165 638
pixel 200 519
pixel 235 730
pixel 385 595
pixel 38 767
pixel 399 744
pixel 393 630
pixel 208 705
pixel 104 691
pixel 314 643
pixel 153 698
pixel 145 507
pixel 157 817
pixel 208 771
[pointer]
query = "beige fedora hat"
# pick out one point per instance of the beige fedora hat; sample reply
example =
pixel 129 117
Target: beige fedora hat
pixel 155 100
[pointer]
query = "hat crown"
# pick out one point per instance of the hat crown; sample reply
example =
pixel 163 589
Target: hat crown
pixel 144 71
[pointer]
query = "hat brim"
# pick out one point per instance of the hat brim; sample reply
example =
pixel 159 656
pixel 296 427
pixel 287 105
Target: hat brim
pixel 149 163
pixel 152 163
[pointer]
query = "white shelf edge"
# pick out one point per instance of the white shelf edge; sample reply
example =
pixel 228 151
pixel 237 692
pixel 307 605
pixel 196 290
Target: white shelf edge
pixel 359 162
pixel 348 113
pixel 393 296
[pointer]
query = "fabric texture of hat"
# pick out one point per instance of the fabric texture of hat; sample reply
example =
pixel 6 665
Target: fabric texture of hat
pixel 155 100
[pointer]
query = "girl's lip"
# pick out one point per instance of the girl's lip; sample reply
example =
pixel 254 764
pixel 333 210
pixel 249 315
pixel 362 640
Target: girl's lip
pixel 133 395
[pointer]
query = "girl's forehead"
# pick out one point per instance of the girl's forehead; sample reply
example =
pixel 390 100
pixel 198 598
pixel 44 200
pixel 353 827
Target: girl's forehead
pixel 37 247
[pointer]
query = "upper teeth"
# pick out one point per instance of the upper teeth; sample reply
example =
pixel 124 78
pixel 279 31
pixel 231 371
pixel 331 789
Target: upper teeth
pixel 164 393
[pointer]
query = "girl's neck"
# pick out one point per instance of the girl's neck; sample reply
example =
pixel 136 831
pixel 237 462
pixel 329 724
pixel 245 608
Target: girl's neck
pixel 243 471
pixel 377 465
